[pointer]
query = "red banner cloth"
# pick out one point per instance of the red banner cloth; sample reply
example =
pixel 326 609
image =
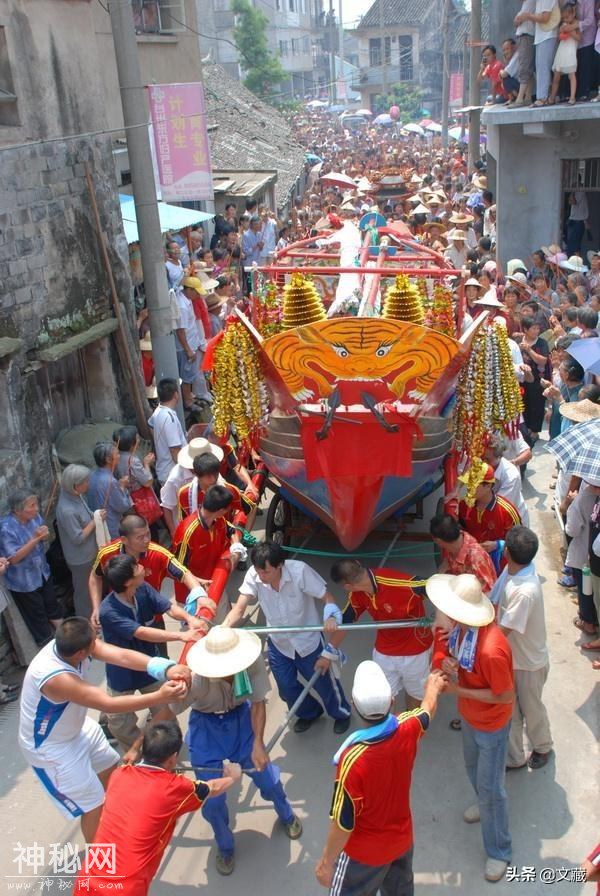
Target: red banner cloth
pixel 351 450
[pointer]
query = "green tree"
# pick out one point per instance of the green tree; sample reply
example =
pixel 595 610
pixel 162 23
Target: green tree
pixel 263 70
pixel 408 99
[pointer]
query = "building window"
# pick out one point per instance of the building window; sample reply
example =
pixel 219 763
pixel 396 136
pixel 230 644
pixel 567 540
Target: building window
pixel 296 46
pixel 277 5
pixel 158 16
pixel 284 47
pixel 9 116
pixel 374 51
pixel 292 5
pixel 306 45
pixel 388 49
pixel 405 47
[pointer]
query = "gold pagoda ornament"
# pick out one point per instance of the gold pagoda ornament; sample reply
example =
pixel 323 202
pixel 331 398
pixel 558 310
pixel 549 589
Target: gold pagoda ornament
pixel 403 302
pixel 302 304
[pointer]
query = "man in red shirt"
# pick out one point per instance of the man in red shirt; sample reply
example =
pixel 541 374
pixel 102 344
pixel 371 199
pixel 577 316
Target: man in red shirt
pixel 490 516
pixel 461 552
pixel 157 561
pixel 369 845
pixel 203 538
pixel 490 69
pixel 206 469
pixel 478 659
pixel 143 803
pixel 386 594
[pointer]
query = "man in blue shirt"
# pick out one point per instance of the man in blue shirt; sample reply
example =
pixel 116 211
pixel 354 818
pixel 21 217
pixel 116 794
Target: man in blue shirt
pixel 127 616
pixel 252 242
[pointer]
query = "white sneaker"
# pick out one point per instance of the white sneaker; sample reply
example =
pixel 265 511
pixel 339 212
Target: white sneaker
pixel 471 815
pixel 495 869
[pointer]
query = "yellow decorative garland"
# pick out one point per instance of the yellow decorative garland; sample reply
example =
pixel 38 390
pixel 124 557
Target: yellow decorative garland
pixel 240 394
pixel 488 399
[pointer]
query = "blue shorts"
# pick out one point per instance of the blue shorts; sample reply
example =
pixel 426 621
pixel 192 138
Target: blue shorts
pixel 188 370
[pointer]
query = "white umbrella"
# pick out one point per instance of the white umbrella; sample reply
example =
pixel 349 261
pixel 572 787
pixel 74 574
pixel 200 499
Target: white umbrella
pixel 316 104
pixel 414 129
pixel 340 180
pixel 456 132
pixel 363 112
pixel 434 128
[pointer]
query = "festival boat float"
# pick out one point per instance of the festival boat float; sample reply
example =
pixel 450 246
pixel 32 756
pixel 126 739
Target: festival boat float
pixel 343 377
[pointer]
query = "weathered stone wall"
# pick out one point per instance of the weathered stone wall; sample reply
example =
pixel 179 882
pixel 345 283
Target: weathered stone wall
pixel 53 286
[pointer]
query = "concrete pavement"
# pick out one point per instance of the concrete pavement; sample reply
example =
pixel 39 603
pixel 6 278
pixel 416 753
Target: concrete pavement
pixel 554 811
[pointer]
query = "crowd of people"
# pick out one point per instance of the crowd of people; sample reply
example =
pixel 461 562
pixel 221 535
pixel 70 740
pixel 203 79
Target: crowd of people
pixel 553 56
pixel 176 512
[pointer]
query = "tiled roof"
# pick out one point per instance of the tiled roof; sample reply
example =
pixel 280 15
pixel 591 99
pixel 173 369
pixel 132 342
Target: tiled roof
pixel 247 134
pixel 396 12
pixel 462 27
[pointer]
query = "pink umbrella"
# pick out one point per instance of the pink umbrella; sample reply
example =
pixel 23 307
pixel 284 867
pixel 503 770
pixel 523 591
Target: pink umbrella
pixel 340 180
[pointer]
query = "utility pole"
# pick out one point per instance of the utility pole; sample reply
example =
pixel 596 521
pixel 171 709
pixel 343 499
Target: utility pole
pixel 341 53
pixel 135 119
pixel 474 88
pixel 384 73
pixel 333 75
pixel 445 72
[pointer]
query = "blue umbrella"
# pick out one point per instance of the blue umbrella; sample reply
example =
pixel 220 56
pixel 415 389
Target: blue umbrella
pixel 587 352
pixel 312 158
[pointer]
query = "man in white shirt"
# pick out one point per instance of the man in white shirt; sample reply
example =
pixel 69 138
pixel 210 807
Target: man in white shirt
pixel 189 338
pixel 518 596
pixel 456 253
pixel 545 45
pixel 286 591
pixel 167 431
pixel 508 478
pixel 576 222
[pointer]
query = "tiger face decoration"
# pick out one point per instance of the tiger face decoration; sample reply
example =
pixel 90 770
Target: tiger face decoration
pixel 384 357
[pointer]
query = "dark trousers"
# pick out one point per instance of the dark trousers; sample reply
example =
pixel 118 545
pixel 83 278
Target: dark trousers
pixel 585 70
pixel 587 609
pixel 575 232
pixel 285 672
pixel 37 609
pixel 352 878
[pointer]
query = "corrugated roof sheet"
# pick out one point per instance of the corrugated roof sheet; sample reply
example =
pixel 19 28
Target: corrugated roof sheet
pixel 249 135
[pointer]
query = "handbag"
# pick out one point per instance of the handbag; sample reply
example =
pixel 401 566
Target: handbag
pixel 146 504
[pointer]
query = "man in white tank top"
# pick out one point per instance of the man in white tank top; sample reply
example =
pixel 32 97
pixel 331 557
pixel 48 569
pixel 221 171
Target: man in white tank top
pixel 58 739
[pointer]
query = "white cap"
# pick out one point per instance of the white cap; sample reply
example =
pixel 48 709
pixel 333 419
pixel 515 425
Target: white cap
pixel 371 691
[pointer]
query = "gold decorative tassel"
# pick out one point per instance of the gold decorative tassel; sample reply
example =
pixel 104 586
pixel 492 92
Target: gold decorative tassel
pixel 302 304
pixel 403 302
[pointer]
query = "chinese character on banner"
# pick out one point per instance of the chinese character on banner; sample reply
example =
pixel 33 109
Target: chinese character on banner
pixel 456 88
pixel 181 141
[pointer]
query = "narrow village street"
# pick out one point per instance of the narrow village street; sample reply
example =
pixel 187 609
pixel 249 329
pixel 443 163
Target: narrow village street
pixel 553 811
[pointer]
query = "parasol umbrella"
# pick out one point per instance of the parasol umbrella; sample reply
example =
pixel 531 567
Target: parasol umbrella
pixel 384 119
pixel 455 133
pixel 587 352
pixel 312 158
pixel 413 129
pixel 316 104
pixel 425 121
pixel 579 442
pixel 339 180
pixel 363 112
pixel 434 128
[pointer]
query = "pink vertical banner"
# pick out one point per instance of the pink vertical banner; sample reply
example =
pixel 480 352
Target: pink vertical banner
pixel 456 87
pixel 178 114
